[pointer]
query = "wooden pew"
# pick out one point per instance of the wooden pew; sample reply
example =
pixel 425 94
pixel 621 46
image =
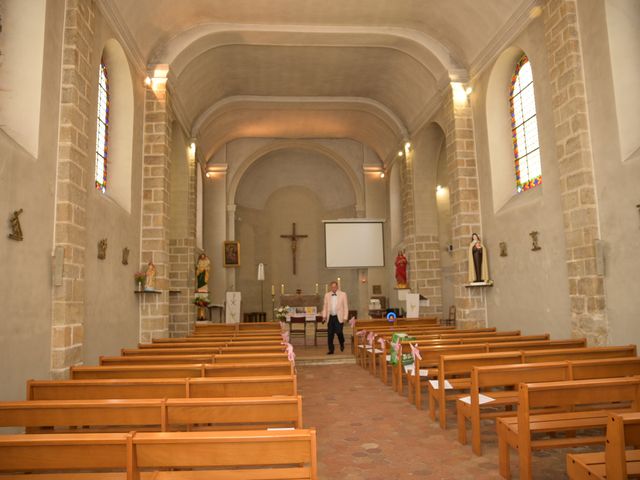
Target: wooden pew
pixel 264 454
pixel 226 343
pixel 106 361
pixel 214 455
pixel 100 416
pixel 84 372
pixel 461 336
pixel 428 332
pixel 588 353
pixel 162 388
pixel 28 456
pixel 616 462
pixel 379 356
pixel 504 377
pixel 203 350
pixel 431 357
pixel 460 366
pixel 593 399
pixel 250 358
pixel 507 377
pixel 159 370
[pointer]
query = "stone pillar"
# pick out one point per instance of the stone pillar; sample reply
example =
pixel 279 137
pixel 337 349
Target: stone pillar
pixel 575 161
pixel 154 307
pixel 183 258
pixel 74 166
pixel 465 208
pixel 422 251
pixel 231 235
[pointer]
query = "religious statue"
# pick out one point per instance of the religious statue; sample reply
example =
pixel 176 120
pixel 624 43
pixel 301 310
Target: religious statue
pixel 102 249
pixel 401 270
pixel 202 274
pixel 150 282
pixel 478 269
pixel 16 229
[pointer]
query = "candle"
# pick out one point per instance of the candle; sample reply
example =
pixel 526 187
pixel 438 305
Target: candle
pixel 282 289
pixel 273 290
pixel 339 284
pixel 326 288
pixel 316 288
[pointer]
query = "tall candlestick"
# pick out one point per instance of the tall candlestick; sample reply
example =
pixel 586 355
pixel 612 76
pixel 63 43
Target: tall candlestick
pixel 316 288
pixel 326 287
pixel 282 289
pixel 339 284
pixel 273 290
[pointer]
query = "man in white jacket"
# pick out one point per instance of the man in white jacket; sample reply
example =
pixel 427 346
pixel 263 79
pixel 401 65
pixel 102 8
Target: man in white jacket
pixel 336 310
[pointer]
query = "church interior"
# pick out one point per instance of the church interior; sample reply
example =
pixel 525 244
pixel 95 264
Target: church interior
pixel 185 183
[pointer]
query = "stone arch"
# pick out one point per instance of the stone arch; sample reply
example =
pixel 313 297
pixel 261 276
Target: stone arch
pixel 311 146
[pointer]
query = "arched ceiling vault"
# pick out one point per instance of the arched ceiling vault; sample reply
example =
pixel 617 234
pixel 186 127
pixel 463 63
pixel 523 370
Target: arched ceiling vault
pixel 362 69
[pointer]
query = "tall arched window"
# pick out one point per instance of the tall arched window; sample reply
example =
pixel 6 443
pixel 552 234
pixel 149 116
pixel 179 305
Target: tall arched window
pixel 102 129
pixel 524 127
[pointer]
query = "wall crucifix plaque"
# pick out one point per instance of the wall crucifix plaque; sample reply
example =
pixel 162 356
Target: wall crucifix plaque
pixel 294 240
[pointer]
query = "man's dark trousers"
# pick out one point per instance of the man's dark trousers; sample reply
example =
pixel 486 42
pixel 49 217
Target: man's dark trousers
pixel 334 328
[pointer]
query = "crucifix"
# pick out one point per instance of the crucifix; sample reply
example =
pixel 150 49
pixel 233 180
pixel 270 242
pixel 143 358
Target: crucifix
pixel 294 240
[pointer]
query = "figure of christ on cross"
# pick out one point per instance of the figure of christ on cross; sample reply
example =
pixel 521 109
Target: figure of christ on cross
pixel 294 240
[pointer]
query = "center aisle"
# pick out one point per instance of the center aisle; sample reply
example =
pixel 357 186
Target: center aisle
pixel 367 432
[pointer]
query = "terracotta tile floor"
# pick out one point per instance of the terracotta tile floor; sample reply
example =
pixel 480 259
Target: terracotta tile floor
pixel 367 431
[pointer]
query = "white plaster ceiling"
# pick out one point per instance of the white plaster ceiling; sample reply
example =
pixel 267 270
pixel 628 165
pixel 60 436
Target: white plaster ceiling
pixel 395 55
pixel 302 168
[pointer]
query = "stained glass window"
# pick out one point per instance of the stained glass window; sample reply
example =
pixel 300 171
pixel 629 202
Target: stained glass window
pixel 524 127
pixel 102 129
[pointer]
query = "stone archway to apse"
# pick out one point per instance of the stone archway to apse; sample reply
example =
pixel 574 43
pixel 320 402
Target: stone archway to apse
pixel 285 183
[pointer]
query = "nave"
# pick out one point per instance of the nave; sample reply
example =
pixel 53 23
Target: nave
pixel 248 412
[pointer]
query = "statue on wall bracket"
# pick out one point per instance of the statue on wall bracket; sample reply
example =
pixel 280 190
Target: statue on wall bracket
pixel 478 261
pixel 16 229
pixel 401 270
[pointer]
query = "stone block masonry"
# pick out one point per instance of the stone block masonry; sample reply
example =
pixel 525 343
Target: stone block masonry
pixel 73 167
pixel 154 242
pixel 465 207
pixel 575 161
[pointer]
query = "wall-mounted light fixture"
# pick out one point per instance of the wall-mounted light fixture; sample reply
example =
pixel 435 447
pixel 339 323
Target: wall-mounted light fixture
pixel 214 170
pixel 375 170
pixel 157 78
pixel 460 93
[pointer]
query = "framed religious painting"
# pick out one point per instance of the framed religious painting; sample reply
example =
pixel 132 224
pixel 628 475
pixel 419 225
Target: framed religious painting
pixel 231 253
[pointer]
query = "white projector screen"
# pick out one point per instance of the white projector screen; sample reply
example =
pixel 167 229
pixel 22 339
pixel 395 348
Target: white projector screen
pixel 354 244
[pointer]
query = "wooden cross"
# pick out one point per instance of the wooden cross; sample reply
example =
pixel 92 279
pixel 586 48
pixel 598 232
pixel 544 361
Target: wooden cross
pixel 294 239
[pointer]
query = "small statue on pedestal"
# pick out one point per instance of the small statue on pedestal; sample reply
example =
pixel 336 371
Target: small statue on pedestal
pixel 150 282
pixel 401 270
pixel 478 269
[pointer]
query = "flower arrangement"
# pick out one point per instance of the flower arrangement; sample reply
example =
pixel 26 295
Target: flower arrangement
pixel 201 302
pixel 140 279
pixel 281 313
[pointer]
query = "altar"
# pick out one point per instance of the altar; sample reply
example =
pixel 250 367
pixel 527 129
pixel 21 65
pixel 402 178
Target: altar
pixel 302 305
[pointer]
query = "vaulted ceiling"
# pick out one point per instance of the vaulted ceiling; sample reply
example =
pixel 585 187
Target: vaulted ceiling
pixel 370 70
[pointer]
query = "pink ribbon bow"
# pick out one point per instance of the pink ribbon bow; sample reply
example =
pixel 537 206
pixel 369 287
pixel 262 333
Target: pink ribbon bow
pixel 382 342
pixel 285 337
pixel 370 338
pixel 352 322
pixel 415 352
pixel 361 333
pixel 290 355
